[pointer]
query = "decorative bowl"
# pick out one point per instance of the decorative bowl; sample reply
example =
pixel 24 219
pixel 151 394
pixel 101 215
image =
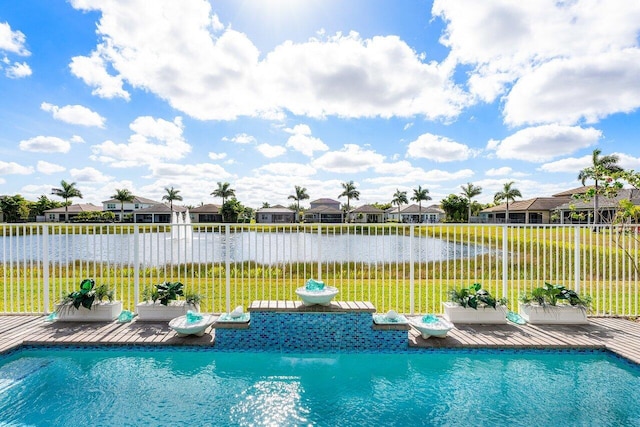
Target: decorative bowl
pixel 321 297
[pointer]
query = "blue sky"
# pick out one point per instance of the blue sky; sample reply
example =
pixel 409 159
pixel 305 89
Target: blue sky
pixel 270 94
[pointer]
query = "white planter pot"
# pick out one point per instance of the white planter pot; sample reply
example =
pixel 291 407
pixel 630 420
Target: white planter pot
pixel 550 315
pixel 457 314
pixel 100 312
pixel 156 312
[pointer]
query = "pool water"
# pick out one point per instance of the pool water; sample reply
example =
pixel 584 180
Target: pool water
pixel 170 387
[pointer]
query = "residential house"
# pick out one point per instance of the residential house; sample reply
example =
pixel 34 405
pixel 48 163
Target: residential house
pixel 581 212
pixel 277 214
pixel 58 214
pixel 324 210
pixel 206 213
pixel 138 203
pixel 157 214
pixel 538 210
pixel 413 214
pixel 366 214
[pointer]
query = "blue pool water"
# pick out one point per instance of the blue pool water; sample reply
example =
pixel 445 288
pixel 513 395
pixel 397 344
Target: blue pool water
pixel 171 387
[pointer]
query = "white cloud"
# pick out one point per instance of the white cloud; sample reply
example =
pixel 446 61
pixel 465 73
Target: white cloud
pixel 628 162
pixel 241 138
pixel 288 169
pixel 7 168
pixel 419 176
pixel 187 172
pixel 574 165
pixel 505 170
pixel 438 148
pixel 271 151
pixel 92 70
pixel 302 141
pixel 88 174
pixel 217 156
pixel 153 140
pixel 179 51
pixel 12 41
pixel 74 114
pixel 351 159
pixel 45 144
pixel 586 88
pixel 18 70
pixel 77 139
pixel 568 165
pixel 49 168
pixel 543 143
pixel 565 60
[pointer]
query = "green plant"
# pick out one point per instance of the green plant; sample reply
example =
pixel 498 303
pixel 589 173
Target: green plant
pixel 473 296
pixel 169 291
pixel 192 298
pixel 166 292
pixel 551 294
pixel 102 292
pixel 84 297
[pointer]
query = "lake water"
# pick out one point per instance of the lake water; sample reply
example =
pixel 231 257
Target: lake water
pixel 262 247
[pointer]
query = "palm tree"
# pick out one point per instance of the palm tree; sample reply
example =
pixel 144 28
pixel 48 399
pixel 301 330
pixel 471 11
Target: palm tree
pixel 301 194
pixel 599 169
pixel 399 198
pixel 171 195
pixel 470 191
pixel 224 191
pixel 122 196
pixel 68 191
pixel 349 191
pixel 420 194
pixel 507 194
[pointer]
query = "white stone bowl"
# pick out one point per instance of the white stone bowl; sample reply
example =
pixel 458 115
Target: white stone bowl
pixel 437 329
pixel 183 328
pixel 321 297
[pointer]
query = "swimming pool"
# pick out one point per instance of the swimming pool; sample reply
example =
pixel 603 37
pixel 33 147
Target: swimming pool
pixel 159 386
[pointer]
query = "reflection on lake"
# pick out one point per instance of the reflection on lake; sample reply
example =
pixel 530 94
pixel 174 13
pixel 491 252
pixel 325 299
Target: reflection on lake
pixel 206 247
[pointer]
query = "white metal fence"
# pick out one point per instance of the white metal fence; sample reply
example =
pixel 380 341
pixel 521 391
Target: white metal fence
pixel 408 268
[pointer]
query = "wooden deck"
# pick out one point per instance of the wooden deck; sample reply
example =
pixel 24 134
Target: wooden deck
pixel 620 336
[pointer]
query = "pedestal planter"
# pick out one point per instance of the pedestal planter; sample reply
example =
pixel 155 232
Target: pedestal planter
pixel 553 315
pixel 457 314
pixel 100 312
pixel 156 312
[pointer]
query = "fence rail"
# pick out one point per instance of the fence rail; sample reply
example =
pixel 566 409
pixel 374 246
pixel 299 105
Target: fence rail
pixel 408 268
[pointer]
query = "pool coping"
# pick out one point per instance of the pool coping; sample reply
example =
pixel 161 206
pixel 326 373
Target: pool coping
pixel 617 335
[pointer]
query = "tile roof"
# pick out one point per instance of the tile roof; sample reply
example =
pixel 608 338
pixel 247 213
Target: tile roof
pixel 79 207
pixel 208 208
pixel 368 209
pixel 535 204
pixel 136 199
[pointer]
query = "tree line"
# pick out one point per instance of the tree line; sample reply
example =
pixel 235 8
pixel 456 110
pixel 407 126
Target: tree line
pixel 457 207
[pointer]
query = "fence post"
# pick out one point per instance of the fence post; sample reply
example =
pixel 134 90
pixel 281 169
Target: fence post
pixel 411 272
pixel 227 266
pixel 319 252
pixel 505 263
pixel 136 266
pixel 45 266
pixel 576 256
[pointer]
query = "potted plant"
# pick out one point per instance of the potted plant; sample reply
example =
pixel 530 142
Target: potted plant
pixel 554 304
pixel 474 305
pixel 161 302
pixel 88 304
